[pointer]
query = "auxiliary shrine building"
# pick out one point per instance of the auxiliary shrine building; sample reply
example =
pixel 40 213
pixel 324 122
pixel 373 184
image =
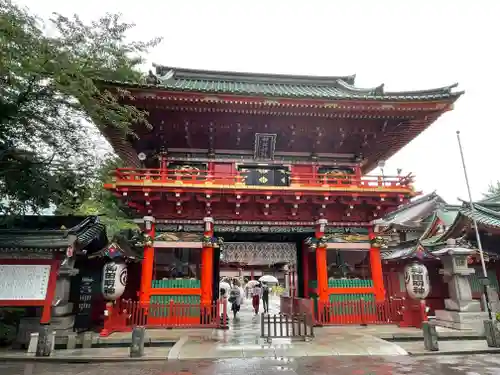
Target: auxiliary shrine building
pixel 274 166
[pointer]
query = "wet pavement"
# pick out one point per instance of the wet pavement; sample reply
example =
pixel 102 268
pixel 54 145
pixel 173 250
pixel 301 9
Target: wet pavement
pixel 242 339
pixel 442 365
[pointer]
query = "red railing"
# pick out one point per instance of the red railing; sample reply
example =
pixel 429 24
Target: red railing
pixel 359 312
pixel 296 179
pixel 125 315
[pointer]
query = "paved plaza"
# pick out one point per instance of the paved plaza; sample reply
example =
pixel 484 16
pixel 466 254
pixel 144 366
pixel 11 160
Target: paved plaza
pixel 242 340
pixel 340 365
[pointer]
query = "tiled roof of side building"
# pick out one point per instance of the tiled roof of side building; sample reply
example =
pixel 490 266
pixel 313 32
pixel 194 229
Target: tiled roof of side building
pixel 482 215
pixel 412 213
pixel 284 86
pixel 35 234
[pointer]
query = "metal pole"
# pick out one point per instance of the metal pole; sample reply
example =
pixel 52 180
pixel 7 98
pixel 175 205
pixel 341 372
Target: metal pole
pixel 478 237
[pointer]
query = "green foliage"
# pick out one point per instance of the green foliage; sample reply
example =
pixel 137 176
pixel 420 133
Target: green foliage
pixel 50 97
pixel 9 323
pixel 98 201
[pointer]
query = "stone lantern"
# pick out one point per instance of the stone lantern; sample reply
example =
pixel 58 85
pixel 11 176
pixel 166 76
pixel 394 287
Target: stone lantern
pixel 461 310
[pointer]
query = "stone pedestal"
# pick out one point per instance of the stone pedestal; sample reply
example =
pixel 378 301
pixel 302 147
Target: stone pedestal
pixel 63 317
pixel 461 320
pixel 493 300
pixel 46 341
pixel 461 311
pixel 137 342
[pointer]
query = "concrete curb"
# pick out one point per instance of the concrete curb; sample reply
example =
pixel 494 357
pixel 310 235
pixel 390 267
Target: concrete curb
pixel 457 352
pixel 175 350
pixel 421 338
pixel 76 359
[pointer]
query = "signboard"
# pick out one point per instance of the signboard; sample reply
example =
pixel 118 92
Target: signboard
pixel 23 282
pixel 87 291
pixel 114 280
pixel 417 281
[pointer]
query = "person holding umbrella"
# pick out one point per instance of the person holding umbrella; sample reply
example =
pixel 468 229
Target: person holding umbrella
pixel 235 298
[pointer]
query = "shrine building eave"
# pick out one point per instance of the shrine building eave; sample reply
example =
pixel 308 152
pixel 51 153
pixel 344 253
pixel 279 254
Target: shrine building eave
pixel 280 86
pixel 35 234
pixel 191 104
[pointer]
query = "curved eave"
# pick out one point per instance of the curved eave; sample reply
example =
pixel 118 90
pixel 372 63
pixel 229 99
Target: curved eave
pixel 305 92
pixel 483 216
pixel 391 143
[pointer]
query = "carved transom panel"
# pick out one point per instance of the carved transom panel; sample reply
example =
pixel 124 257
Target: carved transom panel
pixel 260 253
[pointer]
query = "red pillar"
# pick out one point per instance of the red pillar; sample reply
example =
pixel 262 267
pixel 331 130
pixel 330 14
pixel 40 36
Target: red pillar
pixel 305 269
pixel 51 291
pixel 207 264
pixel 148 260
pixel 321 265
pixel 376 270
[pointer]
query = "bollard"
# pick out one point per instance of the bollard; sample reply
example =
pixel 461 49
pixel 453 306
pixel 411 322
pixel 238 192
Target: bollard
pixel 137 343
pixel 87 340
pixel 33 343
pixel 491 334
pixel 71 344
pixel 430 337
pixel 45 342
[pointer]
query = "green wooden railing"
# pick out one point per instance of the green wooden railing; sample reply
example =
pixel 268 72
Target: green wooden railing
pixel 346 297
pixel 165 300
pixel 182 283
pixel 344 283
pixel 164 308
pixel 350 283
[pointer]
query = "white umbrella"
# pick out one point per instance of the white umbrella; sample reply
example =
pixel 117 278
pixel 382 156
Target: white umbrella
pixel 225 286
pixel 252 283
pixel 269 279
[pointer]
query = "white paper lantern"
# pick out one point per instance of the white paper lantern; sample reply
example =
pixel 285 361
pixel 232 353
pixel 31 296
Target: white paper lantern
pixel 417 281
pixel 114 280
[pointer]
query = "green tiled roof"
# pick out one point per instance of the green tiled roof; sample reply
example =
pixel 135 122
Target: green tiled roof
pixel 283 86
pixel 448 214
pixel 482 215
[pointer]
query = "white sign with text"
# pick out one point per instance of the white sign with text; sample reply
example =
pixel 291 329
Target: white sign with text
pixel 24 282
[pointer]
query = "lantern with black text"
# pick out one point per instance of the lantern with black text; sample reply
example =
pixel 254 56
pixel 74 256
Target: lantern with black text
pixel 114 280
pixel 417 281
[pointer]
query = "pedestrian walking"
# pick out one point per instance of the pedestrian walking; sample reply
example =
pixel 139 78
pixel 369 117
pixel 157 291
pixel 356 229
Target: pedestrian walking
pixel 256 295
pixel 265 296
pixel 235 298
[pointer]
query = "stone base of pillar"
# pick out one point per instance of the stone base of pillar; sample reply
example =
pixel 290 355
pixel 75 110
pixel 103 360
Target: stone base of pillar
pixel 462 306
pixel 63 317
pixel 469 321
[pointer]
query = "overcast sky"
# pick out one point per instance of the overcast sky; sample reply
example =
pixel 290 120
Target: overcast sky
pixel 411 44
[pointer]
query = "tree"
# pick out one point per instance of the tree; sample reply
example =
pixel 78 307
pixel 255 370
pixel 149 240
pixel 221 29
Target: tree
pixel 98 201
pixel 49 99
pixel 493 189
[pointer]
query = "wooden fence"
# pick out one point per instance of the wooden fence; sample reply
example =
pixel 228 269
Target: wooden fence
pixel 294 326
pixel 125 315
